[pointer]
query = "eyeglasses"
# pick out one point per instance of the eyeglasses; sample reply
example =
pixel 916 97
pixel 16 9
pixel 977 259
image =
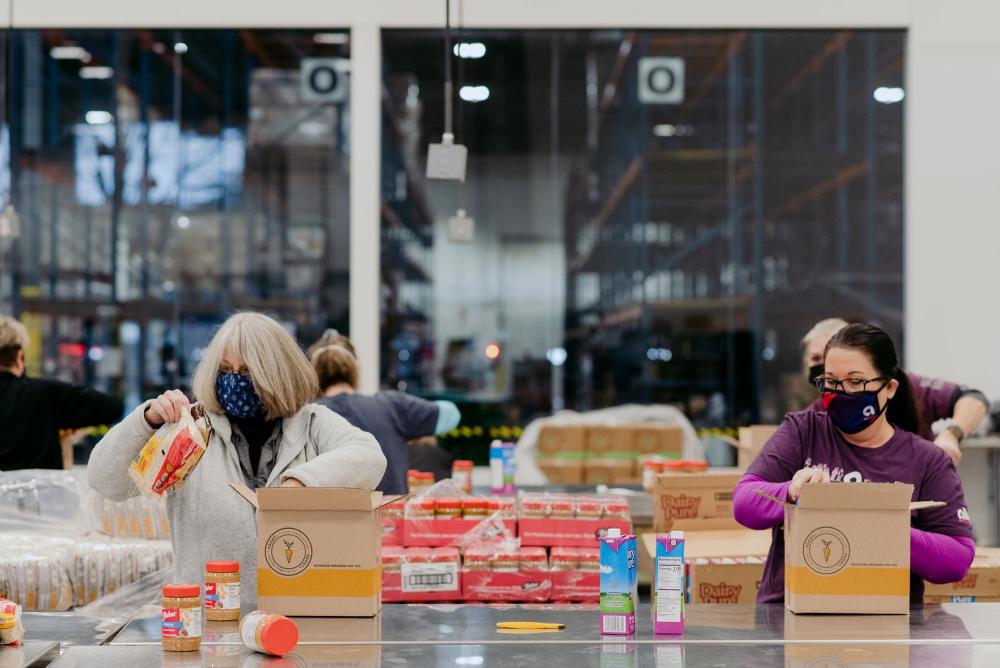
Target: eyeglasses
pixel 826 384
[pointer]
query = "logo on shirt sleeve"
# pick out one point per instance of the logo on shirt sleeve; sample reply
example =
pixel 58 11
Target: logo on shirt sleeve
pixel 963 516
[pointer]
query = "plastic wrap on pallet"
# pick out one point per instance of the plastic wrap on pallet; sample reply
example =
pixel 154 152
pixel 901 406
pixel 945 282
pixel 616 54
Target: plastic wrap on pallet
pixel 443 514
pixel 547 519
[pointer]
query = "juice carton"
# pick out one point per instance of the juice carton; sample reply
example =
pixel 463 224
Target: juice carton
pixel 668 604
pixel 619 574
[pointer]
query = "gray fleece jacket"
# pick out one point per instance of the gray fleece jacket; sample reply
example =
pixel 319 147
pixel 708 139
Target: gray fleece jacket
pixel 208 520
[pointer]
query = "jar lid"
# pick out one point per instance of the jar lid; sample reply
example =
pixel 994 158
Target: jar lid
pixel 449 502
pixel 475 502
pixel 676 465
pixel 694 465
pixel 462 464
pixel 181 591
pixel 222 566
pixel 279 636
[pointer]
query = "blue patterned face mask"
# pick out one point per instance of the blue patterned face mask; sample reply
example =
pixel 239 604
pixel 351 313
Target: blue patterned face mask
pixel 237 396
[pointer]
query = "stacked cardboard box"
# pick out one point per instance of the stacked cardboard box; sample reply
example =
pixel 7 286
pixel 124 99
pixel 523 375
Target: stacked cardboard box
pixel 752 439
pixel 603 454
pixel 701 500
pixel 981 584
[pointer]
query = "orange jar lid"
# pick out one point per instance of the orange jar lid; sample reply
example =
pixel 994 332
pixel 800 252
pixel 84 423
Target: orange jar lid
pixel 696 466
pixel 181 591
pixel 279 636
pixel 449 503
pixel 222 566
pixel 476 502
pixel 462 464
pixel 676 465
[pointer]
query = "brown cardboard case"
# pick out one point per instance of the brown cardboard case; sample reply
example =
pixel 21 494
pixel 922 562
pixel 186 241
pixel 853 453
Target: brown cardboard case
pixel 562 471
pixel 694 496
pixel 752 439
pixel 601 439
pixel 659 440
pixel 847 548
pixel 610 472
pixel 318 550
pixel 558 440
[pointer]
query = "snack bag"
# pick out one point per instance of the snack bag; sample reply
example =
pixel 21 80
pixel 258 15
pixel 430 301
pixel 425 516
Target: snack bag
pixel 172 452
pixel 11 629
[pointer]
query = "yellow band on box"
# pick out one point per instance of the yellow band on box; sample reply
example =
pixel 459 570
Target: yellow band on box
pixel 321 582
pixel 849 582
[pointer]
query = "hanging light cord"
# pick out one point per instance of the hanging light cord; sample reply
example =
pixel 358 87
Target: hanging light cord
pixel 448 132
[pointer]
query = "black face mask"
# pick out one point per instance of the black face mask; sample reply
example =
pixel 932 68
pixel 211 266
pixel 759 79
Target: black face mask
pixel 814 371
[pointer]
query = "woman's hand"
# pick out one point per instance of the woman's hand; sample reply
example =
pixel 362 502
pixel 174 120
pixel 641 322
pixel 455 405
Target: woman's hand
pixel 292 482
pixel 803 476
pixel 166 408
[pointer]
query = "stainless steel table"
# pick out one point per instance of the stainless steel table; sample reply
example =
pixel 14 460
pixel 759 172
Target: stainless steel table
pixel 583 655
pixel 28 653
pixel 67 628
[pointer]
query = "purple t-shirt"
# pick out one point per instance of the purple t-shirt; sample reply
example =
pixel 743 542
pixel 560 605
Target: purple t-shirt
pixel 808 438
pixel 935 397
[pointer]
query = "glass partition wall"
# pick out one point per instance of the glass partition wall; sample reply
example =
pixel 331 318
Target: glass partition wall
pixel 658 216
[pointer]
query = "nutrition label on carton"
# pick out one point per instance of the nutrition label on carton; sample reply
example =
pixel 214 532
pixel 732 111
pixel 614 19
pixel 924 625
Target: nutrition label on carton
pixel 669 588
pixel 429 577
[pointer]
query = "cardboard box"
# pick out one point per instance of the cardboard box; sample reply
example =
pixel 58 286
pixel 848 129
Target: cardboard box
pixel 562 471
pixel 549 532
pixel 752 439
pixel 725 579
pixel 847 640
pixel 514 587
pixel 423 581
pixel 562 441
pixel 443 532
pixel 392 531
pixel 610 439
pixel 693 496
pixel 305 566
pixel 982 583
pixel 576 586
pixel 665 441
pixel 847 548
pixel 610 472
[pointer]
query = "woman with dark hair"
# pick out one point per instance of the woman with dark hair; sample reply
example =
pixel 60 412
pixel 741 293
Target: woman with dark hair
pixel 866 434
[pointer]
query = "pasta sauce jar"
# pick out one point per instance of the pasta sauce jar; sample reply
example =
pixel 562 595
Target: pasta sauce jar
pixel 222 591
pixel 180 629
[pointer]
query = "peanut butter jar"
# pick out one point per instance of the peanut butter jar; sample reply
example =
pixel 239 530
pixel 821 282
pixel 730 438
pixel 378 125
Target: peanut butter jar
pixel 180 629
pixel 222 591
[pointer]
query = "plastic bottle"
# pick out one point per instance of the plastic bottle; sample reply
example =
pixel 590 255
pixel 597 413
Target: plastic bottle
pixel 271 634
pixel 496 467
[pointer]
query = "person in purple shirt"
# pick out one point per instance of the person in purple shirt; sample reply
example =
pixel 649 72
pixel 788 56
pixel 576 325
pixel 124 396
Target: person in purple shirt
pixel 867 433
pixel 962 408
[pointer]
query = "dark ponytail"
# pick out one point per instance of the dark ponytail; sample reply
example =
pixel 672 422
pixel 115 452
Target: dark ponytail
pixel 903 410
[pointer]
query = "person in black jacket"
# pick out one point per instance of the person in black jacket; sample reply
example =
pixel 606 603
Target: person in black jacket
pixel 32 411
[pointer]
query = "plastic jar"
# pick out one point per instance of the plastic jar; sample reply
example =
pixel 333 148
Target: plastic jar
pixel 461 473
pixel 448 508
pixel 444 555
pixel 617 509
pixel 532 558
pixel 696 466
pixel 650 470
pixel 505 562
pixel 222 591
pixel 588 509
pixel 475 506
pixel 392 556
pixel 533 507
pixel 589 560
pixel 420 508
pixel 417 555
pixel 180 625
pixel 8 629
pixel 412 479
pixel 426 479
pixel 271 634
pixel 563 509
pixel 508 508
pixel 477 559
pixel 564 559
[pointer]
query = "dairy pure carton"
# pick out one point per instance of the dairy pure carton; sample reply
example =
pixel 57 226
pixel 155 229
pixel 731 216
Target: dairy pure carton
pixel 318 550
pixel 847 548
pixel 619 582
pixel 670 586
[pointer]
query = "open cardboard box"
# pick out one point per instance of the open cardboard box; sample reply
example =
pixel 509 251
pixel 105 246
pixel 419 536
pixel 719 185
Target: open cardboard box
pixel 847 547
pixel 318 550
pixel 981 584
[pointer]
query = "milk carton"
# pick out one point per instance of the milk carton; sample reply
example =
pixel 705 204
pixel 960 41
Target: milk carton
pixel 670 585
pixel 619 573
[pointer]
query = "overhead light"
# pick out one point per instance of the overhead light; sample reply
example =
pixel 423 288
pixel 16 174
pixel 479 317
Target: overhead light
pixel 96 72
pixel 889 94
pixel 98 117
pixel 492 352
pixel 556 356
pixel 665 130
pixel 471 50
pixel 331 38
pixel 70 53
pixel 183 222
pixel 474 93
pixel 95 354
pixel 168 286
pixel 159 47
pixel 181 48
pixel 314 128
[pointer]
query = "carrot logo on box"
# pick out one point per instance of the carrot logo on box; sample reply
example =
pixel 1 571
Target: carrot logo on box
pixel 288 552
pixel 680 507
pixel 719 593
pixel 826 551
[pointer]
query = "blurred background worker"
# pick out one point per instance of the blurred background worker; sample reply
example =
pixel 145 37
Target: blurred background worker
pixel 394 418
pixel 959 409
pixel 32 410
